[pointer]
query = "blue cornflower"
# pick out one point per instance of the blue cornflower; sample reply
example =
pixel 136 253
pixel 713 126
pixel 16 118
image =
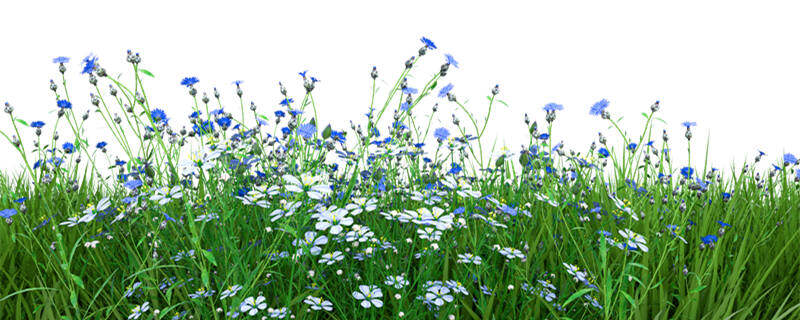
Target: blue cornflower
pixel 286 130
pixel 21 200
pixel 428 43
pixel 189 81
pixel 303 74
pixel 64 104
pixel 598 107
pixel 450 60
pixel 89 63
pixel 445 90
pixel 632 146
pixel 224 122
pixel 404 106
pixel 37 124
pixel 280 114
pixel 544 136
pixel 709 239
pixel 307 130
pixel 8 213
pixel 68 147
pixel 314 80
pixel 726 196
pixel 217 112
pixel 552 106
pixel 195 114
pixel 158 115
pixel 410 90
pixel 287 101
pixel 454 169
pixel 133 184
pixel 789 159
pixel 603 152
pixel 60 60
pixel 441 134
pixel 101 144
pixel 295 113
pixel 687 172
pixel 238 82
pixel 723 224
pixel 689 124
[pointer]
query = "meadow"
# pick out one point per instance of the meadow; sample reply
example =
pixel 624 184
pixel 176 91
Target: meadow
pixel 251 212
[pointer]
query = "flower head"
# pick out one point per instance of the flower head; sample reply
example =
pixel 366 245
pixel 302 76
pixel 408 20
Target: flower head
pixel 441 133
pixel 89 63
pixel 307 130
pixel 689 124
pixel 450 60
pixel 64 104
pixel 552 106
pixel 445 90
pixel 598 107
pixel 428 43
pixel 60 60
pixel 189 81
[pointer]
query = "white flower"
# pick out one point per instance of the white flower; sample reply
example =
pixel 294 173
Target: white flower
pixel 438 295
pixel 469 258
pixel 312 242
pixel 92 244
pixel 251 305
pixel 511 253
pixel 137 311
pixel 230 291
pixel 429 234
pixel 398 282
pixel 331 258
pixel 277 313
pixel 164 194
pixel 318 304
pixel 308 184
pixel 634 240
pixel 287 209
pixel 362 204
pixel 334 220
pixel 369 296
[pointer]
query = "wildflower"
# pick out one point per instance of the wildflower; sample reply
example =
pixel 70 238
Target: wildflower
pixel 277 313
pixel 398 282
pixel 599 107
pixel 307 130
pixel 64 104
pixel 438 295
pixel 251 305
pixel 789 159
pixel 189 81
pixel 603 152
pixel 687 172
pixel 511 253
pixel 410 90
pixel 469 258
pixel 689 124
pixel 312 242
pixel 308 184
pixel 441 134
pixel 91 244
pixel 68 147
pixel 60 60
pixel 335 220
pixel 552 107
pixel 89 63
pixel 201 293
pixel 634 240
pixel 331 258
pixel 286 101
pixel 137 311
pixel 133 184
pixel 709 240
pixel 369 296
pixel 8 213
pixel 450 60
pixel 37 124
pixel 230 292
pixel 428 43
pixel 158 116
pixel 318 304
pixel 445 90
pixel 164 195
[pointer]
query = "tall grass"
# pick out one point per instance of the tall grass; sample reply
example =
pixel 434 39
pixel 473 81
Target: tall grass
pixel 270 213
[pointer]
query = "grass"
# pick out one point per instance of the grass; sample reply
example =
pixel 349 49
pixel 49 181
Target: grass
pixel 277 216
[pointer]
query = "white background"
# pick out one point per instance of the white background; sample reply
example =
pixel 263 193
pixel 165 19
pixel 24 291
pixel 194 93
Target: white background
pixel 730 66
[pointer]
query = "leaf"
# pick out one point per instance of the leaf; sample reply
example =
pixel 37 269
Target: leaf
pixel 263 117
pixel 500 161
pixel 503 102
pixel 576 295
pixel 644 115
pixel 698 289
pixel 147 72
pixel 327 132
pixel 77 280
pixel 628 297
pixel 210 257
pixel 23 122
pixel 434 85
